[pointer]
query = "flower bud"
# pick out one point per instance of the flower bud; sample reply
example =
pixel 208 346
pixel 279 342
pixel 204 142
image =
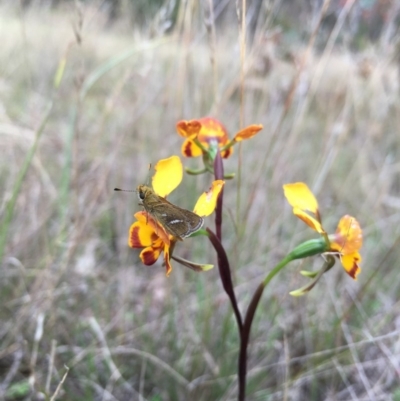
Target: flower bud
pixel 309 248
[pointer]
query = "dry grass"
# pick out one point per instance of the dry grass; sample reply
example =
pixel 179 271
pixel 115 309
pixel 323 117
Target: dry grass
pixel 74 294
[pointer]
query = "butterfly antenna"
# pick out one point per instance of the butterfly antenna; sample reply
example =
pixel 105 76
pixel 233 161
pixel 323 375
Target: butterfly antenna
pixel 124 190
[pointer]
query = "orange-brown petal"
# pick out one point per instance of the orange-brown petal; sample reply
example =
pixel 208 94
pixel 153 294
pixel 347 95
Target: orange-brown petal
pixel 150 255
pixel 190 149
pixel 212 130
pixel 248 132
pixel 351 264
pixel 188 129
pixel 168 266
pixel 348 236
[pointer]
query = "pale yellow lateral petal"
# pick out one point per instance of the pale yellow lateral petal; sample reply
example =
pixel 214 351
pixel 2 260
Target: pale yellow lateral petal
pixel 299 195
pixel 208 200
pixel 168 175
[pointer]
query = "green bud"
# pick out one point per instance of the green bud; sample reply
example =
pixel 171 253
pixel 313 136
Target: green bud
pixel 309 248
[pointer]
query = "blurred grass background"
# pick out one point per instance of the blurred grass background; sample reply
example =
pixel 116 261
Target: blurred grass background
pixel 90 95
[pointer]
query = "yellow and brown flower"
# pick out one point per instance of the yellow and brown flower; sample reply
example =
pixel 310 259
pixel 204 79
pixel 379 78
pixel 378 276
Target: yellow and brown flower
pixel 208 132
pixel 146 233
pixel 347 240
pixel 149 234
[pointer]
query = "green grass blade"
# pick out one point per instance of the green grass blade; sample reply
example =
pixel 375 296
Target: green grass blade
pixel 9 211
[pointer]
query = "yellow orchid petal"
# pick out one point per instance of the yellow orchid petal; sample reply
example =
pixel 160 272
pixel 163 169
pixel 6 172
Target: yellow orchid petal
pixel 309 220
pixel 141 235
pixel 300 196
pixel 190 149
pixel 188 129
pixel 348 236
pixel 168 175
pixel 145 219
pixel 141 216
pixel 248 132
pixel 351 264
pixel 208 200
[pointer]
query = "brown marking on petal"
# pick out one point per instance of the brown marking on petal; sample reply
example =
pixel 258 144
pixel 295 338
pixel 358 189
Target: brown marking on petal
pixel 318 216
pixel 149 256
pixel 354 271
pixel 226 153
pixel 187 150
pixel 133 239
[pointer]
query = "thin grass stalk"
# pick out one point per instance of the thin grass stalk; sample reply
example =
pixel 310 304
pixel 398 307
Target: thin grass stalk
pixel 287 105
pixel 9 212
pixel 115 61
pixel 242 21
pixel 91 80
pixel 67 171
pixel 210 25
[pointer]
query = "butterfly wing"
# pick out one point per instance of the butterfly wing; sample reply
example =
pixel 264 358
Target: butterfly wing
pixel 176 221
